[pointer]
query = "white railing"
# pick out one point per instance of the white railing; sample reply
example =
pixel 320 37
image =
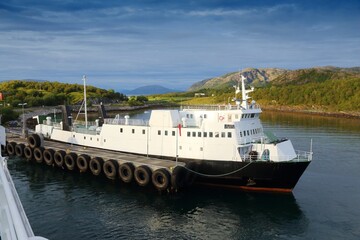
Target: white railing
pixel 131 122
pixel 13 221
pixel 218 107
pixel 301 156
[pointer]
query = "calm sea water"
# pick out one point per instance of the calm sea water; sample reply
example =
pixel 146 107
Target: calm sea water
pixel 324 205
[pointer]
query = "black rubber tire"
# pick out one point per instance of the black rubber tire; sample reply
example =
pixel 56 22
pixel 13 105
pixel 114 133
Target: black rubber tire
pixel 96 165
pixel 161 179
pixel 59 158
pixel 49 156
pixel 82 162
pixel 178 177
pixel 10 148
pixel 28 153
pixel 142 175
pixel 19 150
pixel 190 176
pixel 38 154
pixel 110 168
pixel 34 140
pixel 126 172
pixel 70 161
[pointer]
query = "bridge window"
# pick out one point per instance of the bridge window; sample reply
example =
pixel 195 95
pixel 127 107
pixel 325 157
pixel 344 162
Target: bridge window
pixel 159 132
pixel 211 134
pixel 121 130
pixel 173 133
pixel 199 134
pixel 217 134
pixel 143 131
pixel 133 130
pixel 223 134
pixel 229 135
pixel 194 134
pixel 166 132
pixel 188 134
pixel 205 134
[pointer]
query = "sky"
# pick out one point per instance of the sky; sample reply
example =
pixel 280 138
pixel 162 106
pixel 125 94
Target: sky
pixel 124 44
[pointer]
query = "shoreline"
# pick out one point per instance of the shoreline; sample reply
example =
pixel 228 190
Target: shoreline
pixel 352 115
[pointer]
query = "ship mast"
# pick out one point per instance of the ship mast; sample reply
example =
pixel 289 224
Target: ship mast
pixel 244 93
pixel 85 102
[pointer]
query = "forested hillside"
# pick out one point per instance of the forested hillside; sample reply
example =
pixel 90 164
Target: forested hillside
pixel 320 89
pixel 38 93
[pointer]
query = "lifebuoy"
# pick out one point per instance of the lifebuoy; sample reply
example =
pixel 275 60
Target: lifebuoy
pixel 70 160
pixel 96 165
pixel 178 177
pixel 28 153
pixel 110 169
pixel 10 148
pixel 142 175
pixel 221 118
pixel 19 150
pixel 161 179
pixel 59 158
pixel 82 162
pixel 34 140
pixel 38 154
pixel 126 172
pixel 49 156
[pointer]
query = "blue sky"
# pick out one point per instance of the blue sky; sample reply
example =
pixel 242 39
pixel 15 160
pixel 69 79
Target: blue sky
pixel 126 44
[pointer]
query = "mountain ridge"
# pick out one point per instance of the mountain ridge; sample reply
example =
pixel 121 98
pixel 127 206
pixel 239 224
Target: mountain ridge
pixel 277 76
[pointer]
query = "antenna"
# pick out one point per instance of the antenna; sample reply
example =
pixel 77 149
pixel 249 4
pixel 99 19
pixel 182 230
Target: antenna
pixel 86 122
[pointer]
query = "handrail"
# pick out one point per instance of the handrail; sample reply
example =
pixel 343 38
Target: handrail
pixel 14 223
pixel 301 156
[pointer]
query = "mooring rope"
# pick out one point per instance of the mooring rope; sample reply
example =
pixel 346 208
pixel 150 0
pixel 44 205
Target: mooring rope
pixel 217 175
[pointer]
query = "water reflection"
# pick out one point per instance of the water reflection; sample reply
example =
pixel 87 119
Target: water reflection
pixel 62 204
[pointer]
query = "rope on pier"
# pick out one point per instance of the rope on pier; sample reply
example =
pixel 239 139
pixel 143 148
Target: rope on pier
pixel 217 175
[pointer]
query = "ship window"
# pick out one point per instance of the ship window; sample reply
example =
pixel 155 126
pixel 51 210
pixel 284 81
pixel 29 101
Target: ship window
pixel 74 136
pixel 211 134
pixel 244 133
pixel 248 132
pixel 217 134
pixel 205 134
pixel 97 139
pixel 205 116
pixel 187 115
pixel 104 140
pixel 159 132
pixel 242 116
pixel 180 147
pixel 133 130
pixel 173 133
pixel 240 134
pixel 194 134
pixel 166 132
pixel 121 130
pixel 188 134
pixel 223 134
pixel 252 115
pixel 229 135
pixel 201 149
pixel 191 116
pixel 199 134
pixel 143 131
pixel 84 137
pixel 91 138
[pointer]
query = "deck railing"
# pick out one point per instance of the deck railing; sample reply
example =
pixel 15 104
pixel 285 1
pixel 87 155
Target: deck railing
pixel 131 122
pixel 13 221
pixel 218 107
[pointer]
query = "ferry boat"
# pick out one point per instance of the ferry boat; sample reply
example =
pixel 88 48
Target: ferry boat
pixel 223 146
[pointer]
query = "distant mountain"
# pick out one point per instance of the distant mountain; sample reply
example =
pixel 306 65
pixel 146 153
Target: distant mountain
pixel 276 76
pixel 149 90
pixel 254 76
